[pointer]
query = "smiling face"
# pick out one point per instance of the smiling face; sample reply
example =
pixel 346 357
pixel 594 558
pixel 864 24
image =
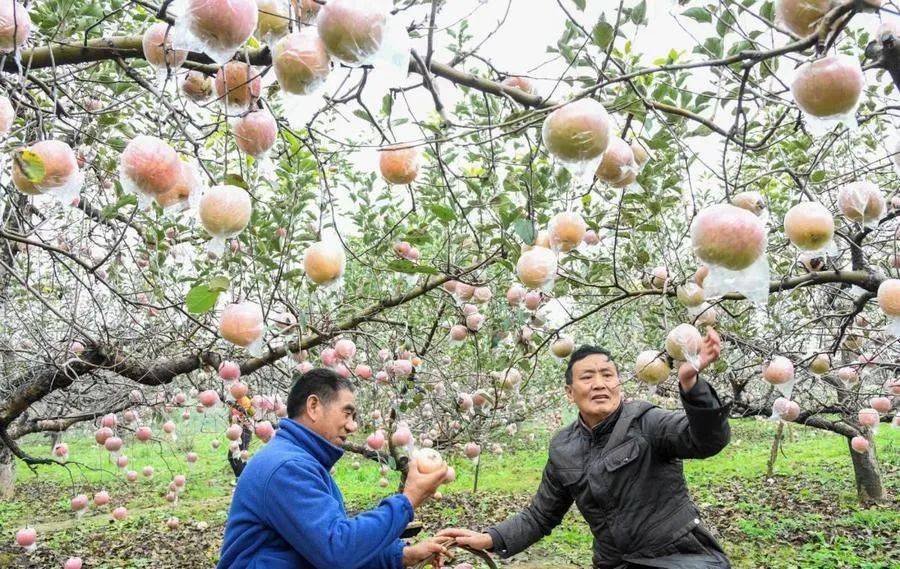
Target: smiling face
pixel 333 421
pixel 595 388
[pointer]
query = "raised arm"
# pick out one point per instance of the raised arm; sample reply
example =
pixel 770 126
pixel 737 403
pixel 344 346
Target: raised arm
pixel 702 429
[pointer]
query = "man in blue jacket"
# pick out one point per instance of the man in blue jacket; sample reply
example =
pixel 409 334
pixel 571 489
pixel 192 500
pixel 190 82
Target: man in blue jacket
pixel 287 512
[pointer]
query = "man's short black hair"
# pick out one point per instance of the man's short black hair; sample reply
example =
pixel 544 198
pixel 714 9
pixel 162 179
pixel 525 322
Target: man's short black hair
pixel 581 353
pixel 321 382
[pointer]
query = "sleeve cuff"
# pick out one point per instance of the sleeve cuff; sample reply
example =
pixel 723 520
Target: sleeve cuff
pixel 499 545
pixel 702 395
pixel 397 554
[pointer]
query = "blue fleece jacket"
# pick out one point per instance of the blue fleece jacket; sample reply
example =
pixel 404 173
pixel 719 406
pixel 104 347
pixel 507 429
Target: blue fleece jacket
pixel 287 512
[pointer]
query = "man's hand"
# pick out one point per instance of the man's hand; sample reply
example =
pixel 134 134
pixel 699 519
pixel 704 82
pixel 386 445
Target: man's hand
pixel 473 539
pixel 419 487
pixel 413 554
pixel 710 350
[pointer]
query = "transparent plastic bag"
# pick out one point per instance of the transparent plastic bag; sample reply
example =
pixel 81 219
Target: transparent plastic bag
pixel 618 168
pixel 217 28
pixel 732 242
pixel 149 168
pixel 325 261
pixel 353 31
pixel 48 167
pixel 537 267
pixel 683 344
pixel 224 212
pixel 862 202
pixel 828 91
pixel 242 324
pixel 577 134
pixel 785 410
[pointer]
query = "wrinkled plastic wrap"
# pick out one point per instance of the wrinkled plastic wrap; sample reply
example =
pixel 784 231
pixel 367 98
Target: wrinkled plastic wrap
pixel 15 26
pixel 889 302
pixel 785 410
pixel 224 212
pixel 149 168
pixel 196 86
pixel 577 134
pixel 217 28
pixel 301 62
pixel 242 324
pixel 828 91
pixel 187 191
pixel 683 343
pixel 537 268
pixel 399 163
pixel 237 87
pixel 302 65
pixel 618 168
pixel 158 50
pixel 566 231
pixel 732 242
pixel 48 167
pixel 273 20
pixel 353 30
pixel 862 202
pixel 324 262
pixel 780 373
pixel 7 115
pixel 255 133
pixel 652 367
pixel 810 227
pixel 704 314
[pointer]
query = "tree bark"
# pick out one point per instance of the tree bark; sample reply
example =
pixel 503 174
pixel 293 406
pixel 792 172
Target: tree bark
pixel 7 473
pixel 868 478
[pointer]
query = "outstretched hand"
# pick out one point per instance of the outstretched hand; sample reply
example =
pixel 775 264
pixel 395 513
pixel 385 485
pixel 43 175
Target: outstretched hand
pixel 434 546
pixel 710 350
pixel 473 539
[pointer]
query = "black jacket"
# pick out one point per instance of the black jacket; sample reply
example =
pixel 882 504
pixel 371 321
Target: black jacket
pixel 626 477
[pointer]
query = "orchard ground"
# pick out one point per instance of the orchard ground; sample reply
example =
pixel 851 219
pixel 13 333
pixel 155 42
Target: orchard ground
pixel 807 515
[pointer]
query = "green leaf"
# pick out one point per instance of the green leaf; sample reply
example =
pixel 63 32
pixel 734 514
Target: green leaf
pixel 724 23
pixel 30 164
pixel 579 4
pixel 698 14
pixel 387 104
pixel 524 228
pixel 111 210
pixel 603 34
pixel 363 115
pixel 639 13
pixel 236 180
pixel 200 299
pixel 818 176
pixel 443 213
pixel 408 267
pixel 219 284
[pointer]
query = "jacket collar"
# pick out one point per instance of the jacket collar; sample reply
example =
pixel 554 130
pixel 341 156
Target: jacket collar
pixel 603 426
pixel 296 434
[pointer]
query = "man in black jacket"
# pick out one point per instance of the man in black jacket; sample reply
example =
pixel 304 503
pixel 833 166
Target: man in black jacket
pixel 620 463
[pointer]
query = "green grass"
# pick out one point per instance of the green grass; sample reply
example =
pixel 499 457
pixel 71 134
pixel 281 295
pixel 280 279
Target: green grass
pixel 806 516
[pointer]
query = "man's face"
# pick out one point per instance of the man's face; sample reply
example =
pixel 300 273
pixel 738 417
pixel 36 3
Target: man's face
pixel 595 388
pixel 333 421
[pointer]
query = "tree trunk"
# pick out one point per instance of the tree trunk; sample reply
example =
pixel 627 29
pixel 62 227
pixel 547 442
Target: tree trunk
pixel 868 479
pixel 7 473
pixel 773 454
